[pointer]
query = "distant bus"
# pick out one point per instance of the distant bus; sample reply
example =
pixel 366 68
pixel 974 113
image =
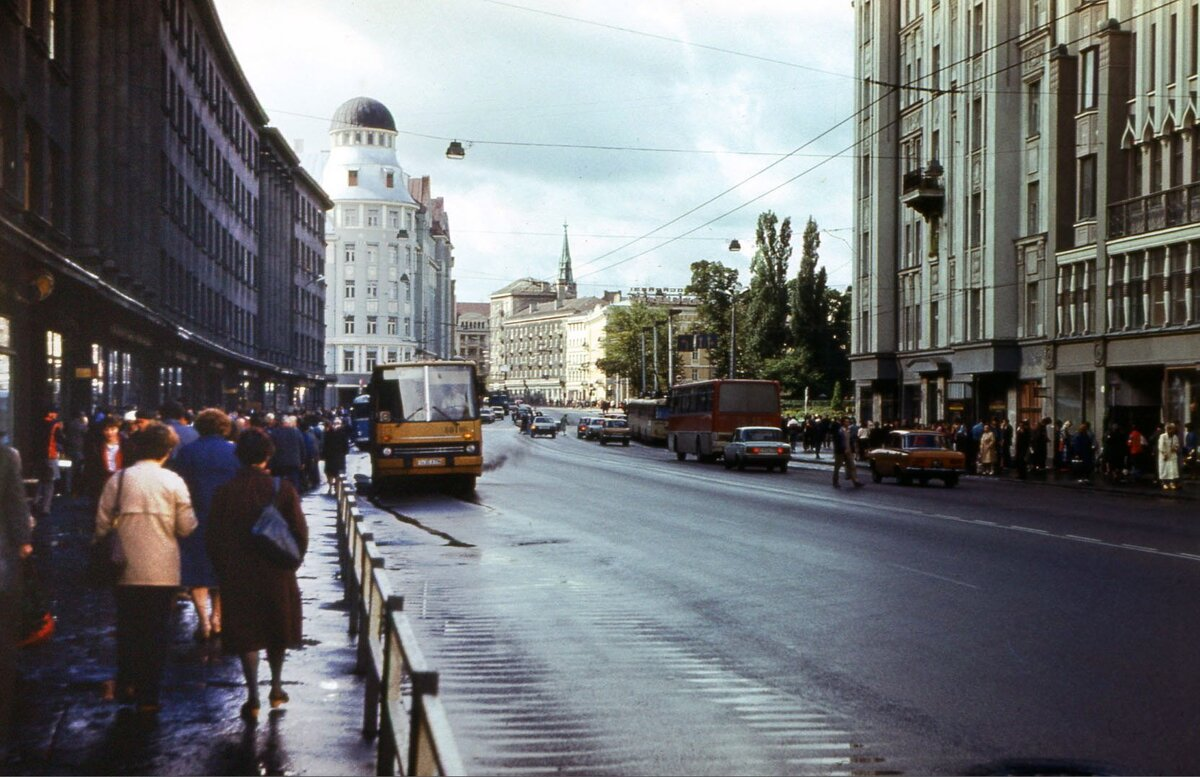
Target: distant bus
pixel 426 424
pixel 499 399
pixel 360 421
pixel 704 414
pixel 648 420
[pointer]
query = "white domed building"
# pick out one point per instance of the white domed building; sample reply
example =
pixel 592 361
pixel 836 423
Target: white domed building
pixel 388 257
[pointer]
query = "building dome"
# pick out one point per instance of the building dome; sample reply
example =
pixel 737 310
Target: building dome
pixel 363 112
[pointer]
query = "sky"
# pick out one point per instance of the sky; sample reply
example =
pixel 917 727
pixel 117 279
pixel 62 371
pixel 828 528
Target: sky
pixel 657 131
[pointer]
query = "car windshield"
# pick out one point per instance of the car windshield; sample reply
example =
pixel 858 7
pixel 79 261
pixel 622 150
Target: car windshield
pixel 924 441
pixel 616 423
pixel 761 435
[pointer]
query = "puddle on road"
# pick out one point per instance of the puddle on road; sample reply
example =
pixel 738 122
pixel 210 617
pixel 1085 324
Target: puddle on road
pixel 408 519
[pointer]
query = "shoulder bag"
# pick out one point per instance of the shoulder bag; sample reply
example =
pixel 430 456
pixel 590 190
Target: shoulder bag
pixel 106 557
pixel 273 538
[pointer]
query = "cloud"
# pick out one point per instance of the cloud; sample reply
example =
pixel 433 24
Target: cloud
pixel 514 80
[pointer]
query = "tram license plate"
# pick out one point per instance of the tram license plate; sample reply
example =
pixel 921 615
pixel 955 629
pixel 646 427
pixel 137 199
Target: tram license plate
pixel 438 462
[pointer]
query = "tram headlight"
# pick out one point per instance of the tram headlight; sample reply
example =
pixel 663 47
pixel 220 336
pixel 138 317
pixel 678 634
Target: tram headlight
pixel 386 451
pixel 471 448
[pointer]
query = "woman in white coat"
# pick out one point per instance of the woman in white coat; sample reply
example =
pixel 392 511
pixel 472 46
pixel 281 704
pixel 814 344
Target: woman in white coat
pixel 1168 458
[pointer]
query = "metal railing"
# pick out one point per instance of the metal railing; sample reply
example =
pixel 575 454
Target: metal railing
pixel 401 707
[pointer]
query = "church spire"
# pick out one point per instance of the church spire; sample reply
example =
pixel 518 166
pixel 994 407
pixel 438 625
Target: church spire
pixel 566 278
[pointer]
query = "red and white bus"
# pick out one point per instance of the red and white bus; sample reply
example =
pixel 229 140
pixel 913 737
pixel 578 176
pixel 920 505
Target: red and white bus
pixel 703 415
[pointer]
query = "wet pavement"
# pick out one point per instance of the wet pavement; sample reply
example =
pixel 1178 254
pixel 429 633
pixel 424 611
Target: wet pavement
pixel 65 726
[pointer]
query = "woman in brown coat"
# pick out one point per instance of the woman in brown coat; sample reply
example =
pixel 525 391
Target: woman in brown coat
pixel 260 601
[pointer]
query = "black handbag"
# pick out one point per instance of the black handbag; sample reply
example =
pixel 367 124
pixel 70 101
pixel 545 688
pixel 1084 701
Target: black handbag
pixel 106 557
pixel 272 536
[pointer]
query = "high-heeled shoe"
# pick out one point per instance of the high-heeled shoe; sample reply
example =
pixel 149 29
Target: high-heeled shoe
pixel 278 698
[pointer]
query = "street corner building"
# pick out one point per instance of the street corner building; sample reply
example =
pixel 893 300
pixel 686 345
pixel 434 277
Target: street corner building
pixel 1027 202
pixel 157 239
pixel 389 257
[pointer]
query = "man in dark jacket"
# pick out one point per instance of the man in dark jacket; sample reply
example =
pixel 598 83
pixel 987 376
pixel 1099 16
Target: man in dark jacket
pixel 16 538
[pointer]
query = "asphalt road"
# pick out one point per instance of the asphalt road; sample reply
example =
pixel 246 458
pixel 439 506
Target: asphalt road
pixel 613 610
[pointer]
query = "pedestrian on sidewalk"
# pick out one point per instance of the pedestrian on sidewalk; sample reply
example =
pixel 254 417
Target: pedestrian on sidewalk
pixel 1081 453
pixel 987 451
pixel 205 465
pixel 75 434
pixel 337 447
pixel 149 508
pixel 1168 458
pixel 261 601
pixel 844 443
pixel 1022 451
pixel 51 446
pixel 16 545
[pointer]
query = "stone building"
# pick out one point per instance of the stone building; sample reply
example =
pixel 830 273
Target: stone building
pixel 156 237
pixel 471 331
pixel 1027 222
pixel 388 258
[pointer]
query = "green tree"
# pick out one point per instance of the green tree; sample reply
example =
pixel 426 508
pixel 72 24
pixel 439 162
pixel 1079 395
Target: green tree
pixel 810 303
pixel 793 369
pixel 623 344
pixel 767 305
pixel 837 357
pixel 715 285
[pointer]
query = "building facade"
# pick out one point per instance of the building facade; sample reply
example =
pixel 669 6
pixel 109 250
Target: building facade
pixel 1027 238
pixel 388 255
pixel 471 332
pixel 135 182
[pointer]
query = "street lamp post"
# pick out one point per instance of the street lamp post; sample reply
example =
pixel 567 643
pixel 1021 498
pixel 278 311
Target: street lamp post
pixel 655 362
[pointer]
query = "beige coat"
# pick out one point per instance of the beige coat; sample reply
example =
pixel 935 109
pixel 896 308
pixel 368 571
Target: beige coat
pixel 155 511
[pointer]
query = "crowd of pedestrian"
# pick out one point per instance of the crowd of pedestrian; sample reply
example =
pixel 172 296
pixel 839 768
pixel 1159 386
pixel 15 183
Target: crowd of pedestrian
pixel 179 490
pixel 994 447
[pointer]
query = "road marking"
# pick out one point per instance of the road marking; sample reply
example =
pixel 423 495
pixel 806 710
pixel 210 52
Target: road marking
pixel 1140 547
pixel 1028 529
pixel 936 577
pixel 1093 540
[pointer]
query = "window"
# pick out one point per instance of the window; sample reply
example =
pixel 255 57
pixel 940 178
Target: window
pixel 1033 324
pixel 977 30
pixel 407 327
pixel 349 289
pixel 352 178
pixel 350 216
pixel 1176 160
pixel 1153 70
pixel 390 179
pixel 976 124
pixel 975 303
pixel 347 360
pixel 1195 41
pixel 348 325
pixel 372 289
pixel 1172 48
pixel 372 325
pixel 349 252
pixel 372 217
pixel 1156 167
pixel 1089 78
pixel 393 218
pixel 1178 285
pixel 1118 291
pixel 1033 109
pixel 392 327
pixel 976 236
pixel 1157 285
pixel 1032 209
pixel 1087 188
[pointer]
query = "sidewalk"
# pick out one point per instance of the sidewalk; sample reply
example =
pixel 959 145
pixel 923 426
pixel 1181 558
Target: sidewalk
pixel 1189 488
pixel 63 725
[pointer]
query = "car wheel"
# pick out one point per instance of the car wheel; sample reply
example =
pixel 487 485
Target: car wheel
pixel 876 475
pixel 741 465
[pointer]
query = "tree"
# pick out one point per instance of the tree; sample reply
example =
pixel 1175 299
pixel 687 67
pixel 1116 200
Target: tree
pixel 714 285
pixel 623 343
pixel 810 311
pixel 768 298
pixel 837 357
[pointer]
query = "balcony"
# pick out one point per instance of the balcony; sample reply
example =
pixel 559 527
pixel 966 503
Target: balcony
pixel 1161 210
pixel 922 190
